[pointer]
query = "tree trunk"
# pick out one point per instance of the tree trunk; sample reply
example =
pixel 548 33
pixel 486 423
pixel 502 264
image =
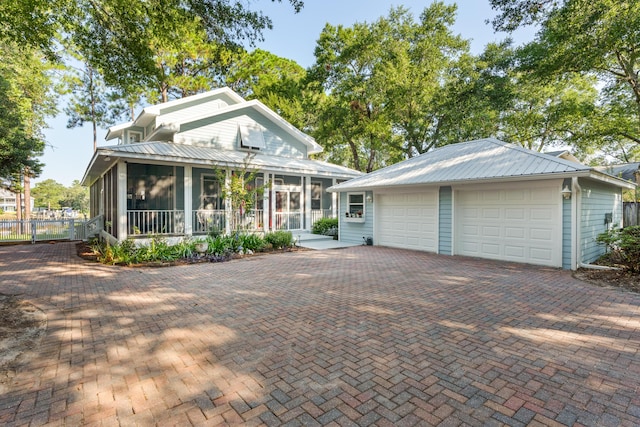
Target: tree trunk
pixel 27 196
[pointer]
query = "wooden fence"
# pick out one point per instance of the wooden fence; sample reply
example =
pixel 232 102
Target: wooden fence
pixel 631 214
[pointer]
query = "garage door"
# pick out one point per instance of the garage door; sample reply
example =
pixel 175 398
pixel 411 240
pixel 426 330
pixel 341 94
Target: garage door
pixel 521 223
pixel 407 220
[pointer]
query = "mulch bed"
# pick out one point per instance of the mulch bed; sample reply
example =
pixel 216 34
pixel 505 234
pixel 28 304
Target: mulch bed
pixel 622 279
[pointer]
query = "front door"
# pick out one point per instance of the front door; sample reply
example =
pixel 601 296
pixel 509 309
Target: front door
pixel 288 213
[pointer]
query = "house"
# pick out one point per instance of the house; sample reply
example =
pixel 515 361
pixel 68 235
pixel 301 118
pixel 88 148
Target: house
pixel 163 176
pixel 488 199
pixel 8 200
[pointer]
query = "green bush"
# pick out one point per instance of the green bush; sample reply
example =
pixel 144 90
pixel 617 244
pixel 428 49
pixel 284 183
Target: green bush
pixel 279 239
pixel 251 242
pixel 324 226
pixel 623 246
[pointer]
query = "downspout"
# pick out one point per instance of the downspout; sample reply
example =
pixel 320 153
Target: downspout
pixel 576 209
pixel 575 205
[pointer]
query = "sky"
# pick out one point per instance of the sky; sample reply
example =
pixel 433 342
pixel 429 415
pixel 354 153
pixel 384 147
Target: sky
pixel 294 36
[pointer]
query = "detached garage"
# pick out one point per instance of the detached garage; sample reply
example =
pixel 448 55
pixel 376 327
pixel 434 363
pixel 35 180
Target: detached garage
pixel 487 199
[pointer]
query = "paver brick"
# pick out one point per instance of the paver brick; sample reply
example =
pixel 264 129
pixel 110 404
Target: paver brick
pixel 359 336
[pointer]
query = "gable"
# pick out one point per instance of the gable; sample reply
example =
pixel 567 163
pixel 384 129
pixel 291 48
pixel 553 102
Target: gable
pixel 224 131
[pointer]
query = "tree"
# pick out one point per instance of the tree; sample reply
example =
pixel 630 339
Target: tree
pixel 26 100
pixel 91 101
pixel 76 197
pixel 277 82
pixel 395 86
pixel 348 67
pixel 597 37
pixel 48 194
pixel 240 190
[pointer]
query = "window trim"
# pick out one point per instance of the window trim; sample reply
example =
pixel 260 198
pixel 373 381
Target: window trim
pixel 353 205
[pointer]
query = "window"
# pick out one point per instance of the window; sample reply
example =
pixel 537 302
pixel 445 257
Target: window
pixel 135 137
pixel 355 207
pixel 251 137
pixel 316 195
pixel 211 193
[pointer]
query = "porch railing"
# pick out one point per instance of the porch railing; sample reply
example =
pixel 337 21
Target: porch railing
pixel 288 220
pixel 145 222
pixel 317 214
pixel 205 221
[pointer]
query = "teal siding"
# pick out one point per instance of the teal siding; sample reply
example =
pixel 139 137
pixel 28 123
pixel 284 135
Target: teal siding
pixel 566 229
pixel 445 221
pixel 597 200
pixel 353 232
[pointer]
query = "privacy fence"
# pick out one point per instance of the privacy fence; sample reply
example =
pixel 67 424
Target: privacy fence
pixel 631 214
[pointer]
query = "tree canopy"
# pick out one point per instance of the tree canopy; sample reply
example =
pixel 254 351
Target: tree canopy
pixel 597 37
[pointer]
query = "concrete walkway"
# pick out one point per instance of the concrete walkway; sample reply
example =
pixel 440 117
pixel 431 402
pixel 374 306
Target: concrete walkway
pixel 356 337
pixel 320 242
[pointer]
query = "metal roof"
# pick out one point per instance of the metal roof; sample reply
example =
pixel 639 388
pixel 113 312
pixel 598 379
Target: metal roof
pixel 479 160
pixel 208 157
pixel 627 171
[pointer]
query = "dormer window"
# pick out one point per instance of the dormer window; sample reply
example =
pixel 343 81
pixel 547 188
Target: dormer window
pixel 134 137
pixel 251 137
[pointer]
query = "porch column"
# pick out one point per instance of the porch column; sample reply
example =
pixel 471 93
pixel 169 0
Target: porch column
pixel 121 169
pixel 188 201
pixel 334 201
pixel 307 202
pixel 227 204
pixel 265 201
pixel 272 203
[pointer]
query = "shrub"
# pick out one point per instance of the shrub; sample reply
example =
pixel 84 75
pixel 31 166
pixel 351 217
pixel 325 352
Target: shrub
pixel 623 246
pixel 324 226
pixel 279 239
pixel 251 242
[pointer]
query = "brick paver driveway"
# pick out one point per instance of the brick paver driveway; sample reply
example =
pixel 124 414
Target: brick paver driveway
pixel 359 336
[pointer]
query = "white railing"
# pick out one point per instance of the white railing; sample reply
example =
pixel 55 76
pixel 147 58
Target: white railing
pixel 205 221
pixel 317 214
pixel 146 222
pixel 288 220
pixel 36 230
pixel 249 221
pixel 93 226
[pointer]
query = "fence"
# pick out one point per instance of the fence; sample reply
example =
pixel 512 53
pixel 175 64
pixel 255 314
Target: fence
pixel 631 214
pixel 36 230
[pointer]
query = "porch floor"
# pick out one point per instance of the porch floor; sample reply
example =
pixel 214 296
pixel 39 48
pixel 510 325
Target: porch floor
pixel 319 242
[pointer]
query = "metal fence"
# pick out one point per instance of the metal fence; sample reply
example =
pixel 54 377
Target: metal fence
pixel 36 230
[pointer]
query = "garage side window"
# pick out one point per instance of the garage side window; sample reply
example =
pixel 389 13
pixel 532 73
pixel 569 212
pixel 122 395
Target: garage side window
pixel 355 206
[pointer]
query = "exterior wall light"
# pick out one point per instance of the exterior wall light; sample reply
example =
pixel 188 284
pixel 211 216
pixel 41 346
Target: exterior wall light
pixel 369 198
pixel 566 192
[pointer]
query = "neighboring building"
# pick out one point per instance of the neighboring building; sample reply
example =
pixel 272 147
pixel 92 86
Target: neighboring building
pixel 162 177
pixel 8 200
pixel 626 171
pixel 487 199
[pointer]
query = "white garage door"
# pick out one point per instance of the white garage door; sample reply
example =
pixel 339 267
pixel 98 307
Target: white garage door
pixel 407 220
pixel 521 223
